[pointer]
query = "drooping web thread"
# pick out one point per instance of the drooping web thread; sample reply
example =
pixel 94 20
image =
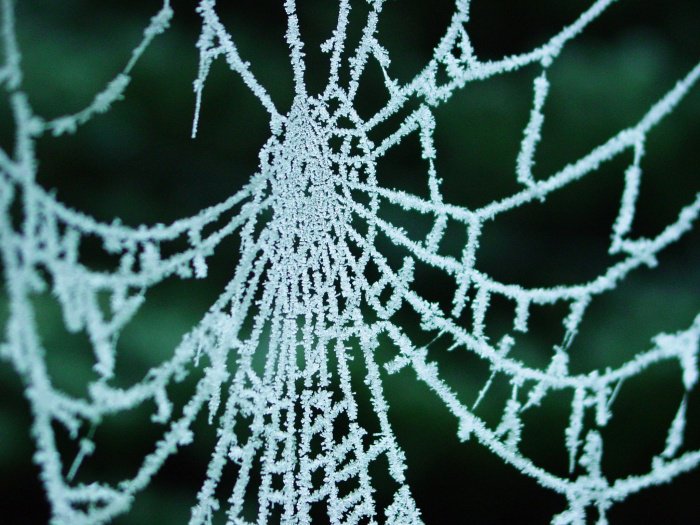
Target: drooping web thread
pixel 300 299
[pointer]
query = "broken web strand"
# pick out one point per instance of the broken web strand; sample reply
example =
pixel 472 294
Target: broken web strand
pixel 61 258
pixel 264 496
pixel 215 41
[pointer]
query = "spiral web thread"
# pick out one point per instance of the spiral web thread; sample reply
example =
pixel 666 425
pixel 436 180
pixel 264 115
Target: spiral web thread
pixel 308 224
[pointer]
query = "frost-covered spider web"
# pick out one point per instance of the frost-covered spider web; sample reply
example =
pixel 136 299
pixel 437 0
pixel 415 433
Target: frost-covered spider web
pixel 302 302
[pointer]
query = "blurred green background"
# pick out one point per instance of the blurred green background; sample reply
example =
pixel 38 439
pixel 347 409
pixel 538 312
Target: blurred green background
pixel 138 163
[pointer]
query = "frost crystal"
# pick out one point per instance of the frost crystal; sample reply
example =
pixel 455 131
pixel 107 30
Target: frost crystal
pixel 302 302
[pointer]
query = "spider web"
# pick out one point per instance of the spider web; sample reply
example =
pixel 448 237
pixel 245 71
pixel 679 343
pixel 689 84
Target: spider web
pixel 301 301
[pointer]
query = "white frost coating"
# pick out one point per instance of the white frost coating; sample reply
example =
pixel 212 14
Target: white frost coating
pixel 533 132
pixel 301 289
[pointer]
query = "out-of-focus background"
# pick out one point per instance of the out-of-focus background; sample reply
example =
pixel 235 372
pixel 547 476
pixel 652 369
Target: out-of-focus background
pixel 139 163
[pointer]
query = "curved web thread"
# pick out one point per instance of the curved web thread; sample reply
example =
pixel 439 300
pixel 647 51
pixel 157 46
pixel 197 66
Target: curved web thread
pixel 309 223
